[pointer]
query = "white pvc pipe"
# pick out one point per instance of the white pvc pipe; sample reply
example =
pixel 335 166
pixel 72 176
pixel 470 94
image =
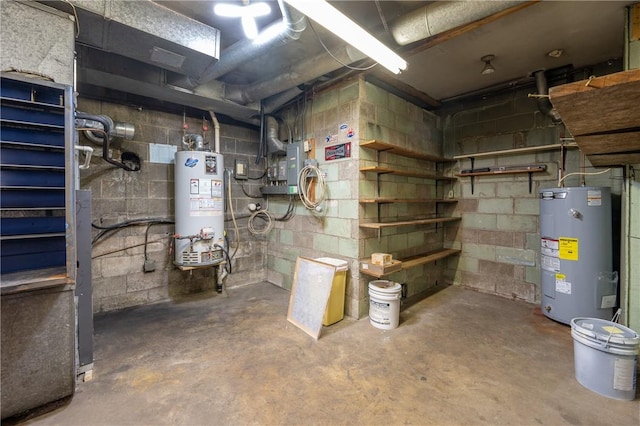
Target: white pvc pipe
pixel 216 132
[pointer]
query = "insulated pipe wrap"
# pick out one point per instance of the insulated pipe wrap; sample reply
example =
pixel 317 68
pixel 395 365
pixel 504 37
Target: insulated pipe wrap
pixel 438 17
pixel 298 74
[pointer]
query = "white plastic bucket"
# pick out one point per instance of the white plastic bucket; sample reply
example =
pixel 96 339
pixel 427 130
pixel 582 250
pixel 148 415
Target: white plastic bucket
pixel 384 304
pixel 605 357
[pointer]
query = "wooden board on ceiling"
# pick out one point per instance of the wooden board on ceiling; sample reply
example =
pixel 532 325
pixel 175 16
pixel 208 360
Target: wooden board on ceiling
pixel 609 143
pixel 608 160
pixel 602 114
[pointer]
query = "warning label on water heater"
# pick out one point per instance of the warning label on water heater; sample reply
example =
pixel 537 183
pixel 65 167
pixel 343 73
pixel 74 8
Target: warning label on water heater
pixel 562 285
pixel 594 198
pixel 549 254
pixel 568 248
pixel 551 264
pixel 205 197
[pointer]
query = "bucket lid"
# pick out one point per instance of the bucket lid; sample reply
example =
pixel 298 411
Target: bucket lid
pixel 341 265
pixel 385 286
pixel 605 331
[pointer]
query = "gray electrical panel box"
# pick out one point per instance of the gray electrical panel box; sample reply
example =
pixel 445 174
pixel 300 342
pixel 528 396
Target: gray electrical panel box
pixel 294 165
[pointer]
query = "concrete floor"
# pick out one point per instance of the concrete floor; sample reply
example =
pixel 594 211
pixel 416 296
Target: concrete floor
pixel 459 357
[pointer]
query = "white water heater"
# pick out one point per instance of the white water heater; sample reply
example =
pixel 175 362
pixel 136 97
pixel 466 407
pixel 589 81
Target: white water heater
pixel 199 208
pixel 576 253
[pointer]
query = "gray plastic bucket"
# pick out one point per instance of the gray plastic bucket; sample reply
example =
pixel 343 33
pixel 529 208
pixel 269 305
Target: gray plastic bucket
pixel 605 357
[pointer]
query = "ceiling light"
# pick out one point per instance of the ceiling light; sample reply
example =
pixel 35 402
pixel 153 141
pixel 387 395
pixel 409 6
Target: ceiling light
pixel 488 68
pixel 247 15
pixel 333 20
pixel 555 53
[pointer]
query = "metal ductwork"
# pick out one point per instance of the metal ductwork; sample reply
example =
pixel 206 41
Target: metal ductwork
pixel 544 104
pixel 147 32
pixel 297 74
pixel 437 17
pixel 275 145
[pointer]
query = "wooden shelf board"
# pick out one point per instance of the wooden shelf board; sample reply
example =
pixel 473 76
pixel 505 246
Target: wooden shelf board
pixel 397 172
pixel 414 261
pixel 515 151
pixel 502 172
pixel 406 200
pixel 418 260
pixel 393 149
pixel 380 225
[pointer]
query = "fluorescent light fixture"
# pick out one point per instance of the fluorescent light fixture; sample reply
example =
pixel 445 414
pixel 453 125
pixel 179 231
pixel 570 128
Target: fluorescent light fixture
pixel 247 15
pixel 249 26
pixel 333 20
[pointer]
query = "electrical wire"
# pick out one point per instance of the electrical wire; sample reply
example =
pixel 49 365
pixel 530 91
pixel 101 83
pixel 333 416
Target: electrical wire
pixel 259 177
pixel 133 246
pixel 233 215
pixel 336 59
pixel 269 219
pixel 227 265
pixel 382 18
pixel 291 211
pixel 104 230
pixel 247 194
pixel 583 174
pixel 304 185
pixel 146 240
pixel 266 216
pixel 75 15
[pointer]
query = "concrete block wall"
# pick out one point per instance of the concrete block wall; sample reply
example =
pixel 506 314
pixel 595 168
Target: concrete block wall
pixel 390 119
pixel 632 255
pixel 333 232
pixel 499 234
pixel 118 195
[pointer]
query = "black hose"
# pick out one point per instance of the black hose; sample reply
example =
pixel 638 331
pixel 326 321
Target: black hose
pixel 259 177
pixel 227 265
pixel 247 194
pixel 133 222
pixel 261 150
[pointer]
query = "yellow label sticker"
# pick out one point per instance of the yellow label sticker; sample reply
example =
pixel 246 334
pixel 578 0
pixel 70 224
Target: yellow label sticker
pixel 561 277
pixel 568 248
pixel 612 330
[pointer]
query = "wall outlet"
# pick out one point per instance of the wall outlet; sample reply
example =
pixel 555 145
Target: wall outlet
pixel 306 146
pixel 241 170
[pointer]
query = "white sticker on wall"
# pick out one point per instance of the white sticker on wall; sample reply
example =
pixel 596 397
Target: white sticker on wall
pixel 161 153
